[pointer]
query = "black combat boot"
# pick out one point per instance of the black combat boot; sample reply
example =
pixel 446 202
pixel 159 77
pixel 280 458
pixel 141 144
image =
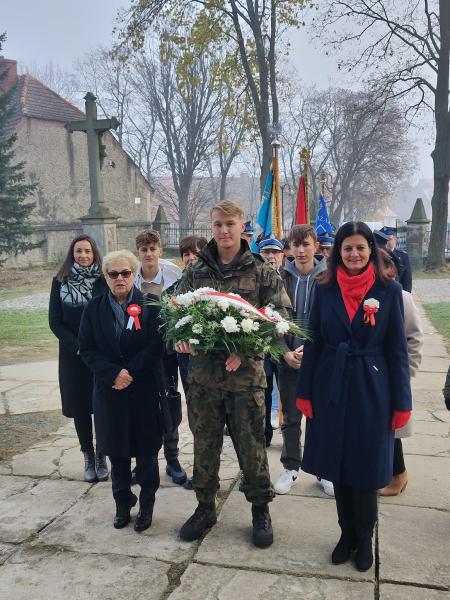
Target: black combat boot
pixel 144 518
pixel 203 518
pixel 101 468
pixel 262 526
pixel 89 466
pixel 122 517
pixel 176 471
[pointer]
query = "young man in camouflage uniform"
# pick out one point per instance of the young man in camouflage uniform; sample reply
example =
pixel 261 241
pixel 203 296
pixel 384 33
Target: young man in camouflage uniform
pixel 222 384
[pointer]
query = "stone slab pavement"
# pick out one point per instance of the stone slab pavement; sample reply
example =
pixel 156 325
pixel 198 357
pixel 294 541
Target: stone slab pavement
pixel 57 539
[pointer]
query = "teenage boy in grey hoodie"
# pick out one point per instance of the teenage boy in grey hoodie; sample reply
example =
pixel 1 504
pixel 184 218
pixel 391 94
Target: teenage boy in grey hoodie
pixel 299 275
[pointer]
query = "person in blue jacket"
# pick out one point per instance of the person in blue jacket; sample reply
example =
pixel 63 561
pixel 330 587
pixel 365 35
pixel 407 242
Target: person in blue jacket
pixel 354 385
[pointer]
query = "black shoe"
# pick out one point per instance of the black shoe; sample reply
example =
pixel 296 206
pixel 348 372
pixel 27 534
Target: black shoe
pixel 122 517
pixel 144 519
pixel 241 484
pixel 262 526
pixel 343 550
pixel 176 471
pixel 89 466
pixel 188 484
pixel 268 435
pixel 364 554
pixel 133 477
pixel 101 468
pixel 203 518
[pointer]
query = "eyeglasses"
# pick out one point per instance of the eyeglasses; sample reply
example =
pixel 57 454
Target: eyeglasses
pixel 115 274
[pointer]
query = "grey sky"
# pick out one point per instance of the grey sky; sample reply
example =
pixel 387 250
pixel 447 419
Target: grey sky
pixel 61 31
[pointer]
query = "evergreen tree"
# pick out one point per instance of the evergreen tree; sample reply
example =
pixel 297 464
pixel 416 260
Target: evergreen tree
pixel 15 209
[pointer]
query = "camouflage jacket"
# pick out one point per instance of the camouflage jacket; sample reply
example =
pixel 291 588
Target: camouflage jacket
pixel 256 281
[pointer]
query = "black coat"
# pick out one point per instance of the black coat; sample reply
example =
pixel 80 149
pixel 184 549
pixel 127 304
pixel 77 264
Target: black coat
pixel 355 375
pixel 75 379
pixel 127 422
pixel 405 272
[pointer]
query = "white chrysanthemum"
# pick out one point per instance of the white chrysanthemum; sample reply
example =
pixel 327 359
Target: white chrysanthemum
pixel 230 324
pixel 282 327
pixel 223 305
pixel 255 326
pixel 194 342
pixel 197 328
pixel 247 325
pixel 202 290
pixel 185 299
pixel 183 321
pixel 372 303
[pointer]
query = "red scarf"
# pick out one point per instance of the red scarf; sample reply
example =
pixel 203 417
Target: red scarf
pixel 355 287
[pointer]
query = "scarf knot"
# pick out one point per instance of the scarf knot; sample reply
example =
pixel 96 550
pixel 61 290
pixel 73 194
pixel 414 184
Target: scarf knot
pixel 355 287
pixel 77 290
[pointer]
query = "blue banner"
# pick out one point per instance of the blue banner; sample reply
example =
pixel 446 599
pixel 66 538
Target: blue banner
pixel 263 226
pixel 323 224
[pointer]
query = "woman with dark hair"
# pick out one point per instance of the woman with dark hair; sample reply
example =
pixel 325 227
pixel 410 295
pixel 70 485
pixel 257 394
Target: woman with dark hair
pixel 77 281
pixel 354 385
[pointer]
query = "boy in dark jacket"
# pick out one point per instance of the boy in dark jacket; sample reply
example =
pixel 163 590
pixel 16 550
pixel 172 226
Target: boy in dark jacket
pixel 299 277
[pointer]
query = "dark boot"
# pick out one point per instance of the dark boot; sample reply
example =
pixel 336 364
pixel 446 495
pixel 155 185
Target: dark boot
pixel 262 526
pixel 101 468
pixel 366 512
pixel 144 518
pixel 203 518
pixel 343 496
pixel 176 471
pixel 364 554
pixel 344 548
pixel 89 466
pixel 122 517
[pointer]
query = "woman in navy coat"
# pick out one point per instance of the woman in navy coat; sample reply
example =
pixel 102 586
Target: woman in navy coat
pixel 354 385
pixel 121 344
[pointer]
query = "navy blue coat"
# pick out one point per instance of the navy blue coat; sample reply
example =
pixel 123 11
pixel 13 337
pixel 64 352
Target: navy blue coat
pixel 127 422
pixel 355 375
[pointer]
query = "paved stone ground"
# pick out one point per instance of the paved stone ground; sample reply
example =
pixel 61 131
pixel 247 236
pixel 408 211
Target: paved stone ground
pixel 431 290
pixel 57 539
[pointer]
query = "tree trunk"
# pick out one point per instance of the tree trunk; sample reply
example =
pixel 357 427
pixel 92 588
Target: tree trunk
pixel 441 152
pixel 183 208
pixel 223 187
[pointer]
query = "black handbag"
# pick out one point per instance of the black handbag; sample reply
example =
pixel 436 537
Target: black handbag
pixel 169 402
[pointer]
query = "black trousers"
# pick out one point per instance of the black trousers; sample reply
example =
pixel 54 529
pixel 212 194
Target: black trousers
pixel 399 461
pixel 268 431
pixel 147 476
pixel 357 510
pixel 83 427
pixel 171 440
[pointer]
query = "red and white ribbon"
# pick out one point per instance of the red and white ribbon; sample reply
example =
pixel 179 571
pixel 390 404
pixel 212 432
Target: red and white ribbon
pixel 134 310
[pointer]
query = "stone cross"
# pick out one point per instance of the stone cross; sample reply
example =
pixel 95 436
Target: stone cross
pixel 94 129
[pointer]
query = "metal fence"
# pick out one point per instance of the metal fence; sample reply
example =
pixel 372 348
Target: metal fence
pixel 172 234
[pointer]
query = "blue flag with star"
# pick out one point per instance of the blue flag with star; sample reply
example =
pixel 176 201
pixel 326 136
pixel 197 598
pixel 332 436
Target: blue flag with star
pixel 323 224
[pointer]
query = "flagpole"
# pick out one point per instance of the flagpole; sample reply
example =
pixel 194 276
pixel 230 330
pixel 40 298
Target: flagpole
pixel 277 217
pixel 305 157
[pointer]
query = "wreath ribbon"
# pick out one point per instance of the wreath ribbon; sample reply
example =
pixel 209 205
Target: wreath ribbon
pixel 369 314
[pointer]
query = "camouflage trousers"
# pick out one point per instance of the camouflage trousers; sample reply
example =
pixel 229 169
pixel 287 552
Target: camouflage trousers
pixel 245 411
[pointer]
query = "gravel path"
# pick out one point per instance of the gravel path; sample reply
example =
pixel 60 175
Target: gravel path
pixel 430 291
pixel 28 303
pixel 426 291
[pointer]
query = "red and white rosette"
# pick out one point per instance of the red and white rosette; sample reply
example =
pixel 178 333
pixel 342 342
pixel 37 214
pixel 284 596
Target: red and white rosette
pixel 134 310
pixel 370 307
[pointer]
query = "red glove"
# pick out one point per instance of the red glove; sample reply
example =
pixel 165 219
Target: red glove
pixel 305 407
pixel 400 418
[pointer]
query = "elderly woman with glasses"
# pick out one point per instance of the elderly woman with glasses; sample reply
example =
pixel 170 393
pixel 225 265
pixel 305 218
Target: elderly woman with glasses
pixel 121 344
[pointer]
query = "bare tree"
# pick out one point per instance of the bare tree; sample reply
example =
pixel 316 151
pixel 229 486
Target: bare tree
pixel 405 46
pixel 186 107
pixel 254 28
pixel 360 142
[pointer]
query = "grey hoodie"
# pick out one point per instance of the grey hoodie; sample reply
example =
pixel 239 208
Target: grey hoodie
pixel 300 289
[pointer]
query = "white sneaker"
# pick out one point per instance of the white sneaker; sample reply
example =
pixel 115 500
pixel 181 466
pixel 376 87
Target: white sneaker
pixel 274 420
pixel 327 486
pixel 285 481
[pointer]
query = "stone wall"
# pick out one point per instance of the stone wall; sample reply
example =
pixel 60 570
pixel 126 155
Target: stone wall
pixel 58 236
pixel 57 161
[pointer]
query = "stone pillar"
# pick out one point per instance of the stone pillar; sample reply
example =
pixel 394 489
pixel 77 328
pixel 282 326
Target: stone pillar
pixel 103 230
pixel 161 224
pixel 417 235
